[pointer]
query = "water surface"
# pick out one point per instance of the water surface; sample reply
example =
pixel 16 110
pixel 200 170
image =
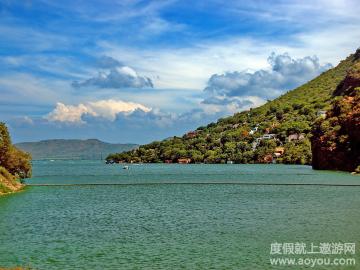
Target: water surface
pixel 159 224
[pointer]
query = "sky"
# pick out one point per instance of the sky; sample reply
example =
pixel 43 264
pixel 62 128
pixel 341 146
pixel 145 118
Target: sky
pixel 133 71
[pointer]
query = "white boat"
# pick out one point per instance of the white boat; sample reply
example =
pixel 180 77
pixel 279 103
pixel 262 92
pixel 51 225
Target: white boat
pixel 126 167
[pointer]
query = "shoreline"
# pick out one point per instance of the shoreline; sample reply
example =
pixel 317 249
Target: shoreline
pixel 14 190
pixel 9 183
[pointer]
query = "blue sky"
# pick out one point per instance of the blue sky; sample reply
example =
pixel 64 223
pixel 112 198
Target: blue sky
pixel 137 71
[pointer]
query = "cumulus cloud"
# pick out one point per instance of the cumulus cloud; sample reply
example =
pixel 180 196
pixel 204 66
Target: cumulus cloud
pixel 105 109
pixel 131 115
pixel 115 75
pixel 108 62
pixel 137 126
pixel 285 73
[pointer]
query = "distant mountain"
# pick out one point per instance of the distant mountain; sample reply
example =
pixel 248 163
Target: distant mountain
pixel 72 149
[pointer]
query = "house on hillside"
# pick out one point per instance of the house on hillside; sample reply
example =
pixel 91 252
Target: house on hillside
pixel 184 160
pixel 191 134
pixel 269 136
pixel 268 159
pixel 253 130
pixel 279 151
pixel 264 137
pixel 295 137
pixel 254 145
pixel 321 114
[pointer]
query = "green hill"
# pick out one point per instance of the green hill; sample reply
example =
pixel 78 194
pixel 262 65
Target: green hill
pixel 279 130
pixel 72 149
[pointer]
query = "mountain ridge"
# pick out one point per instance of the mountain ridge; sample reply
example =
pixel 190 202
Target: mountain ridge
pixel 72 148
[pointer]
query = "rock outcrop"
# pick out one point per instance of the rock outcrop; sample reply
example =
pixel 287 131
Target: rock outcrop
pixel 336 139
pixel 8 182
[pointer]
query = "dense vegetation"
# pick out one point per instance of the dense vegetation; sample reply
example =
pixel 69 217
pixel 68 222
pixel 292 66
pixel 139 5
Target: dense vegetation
pixel 72 149
pixel 336 140
pixel 14 163
pixel 239 138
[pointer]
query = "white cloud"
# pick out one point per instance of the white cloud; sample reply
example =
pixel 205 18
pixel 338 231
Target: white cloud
pixel 286 73
pixel 190 67
pixel 107 109
pixel 110 108
pixel 68 113
pixel 108 62
pixel 135 115
pixel 119 76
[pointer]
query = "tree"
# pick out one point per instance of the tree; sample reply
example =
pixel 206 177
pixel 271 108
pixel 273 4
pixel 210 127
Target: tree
pixel 5 143
pixel 18 163
pixel 12 159
pixel 297 152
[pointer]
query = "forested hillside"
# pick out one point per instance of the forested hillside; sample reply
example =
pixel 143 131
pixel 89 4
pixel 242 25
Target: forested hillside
pixel 278 131
pixel 14 163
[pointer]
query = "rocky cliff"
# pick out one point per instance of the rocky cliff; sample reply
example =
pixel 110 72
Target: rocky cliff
pixel 336 139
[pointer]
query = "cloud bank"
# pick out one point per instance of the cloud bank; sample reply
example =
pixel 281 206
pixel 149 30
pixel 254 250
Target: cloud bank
pixel 116 75
pixel 285 73
pixel 105 109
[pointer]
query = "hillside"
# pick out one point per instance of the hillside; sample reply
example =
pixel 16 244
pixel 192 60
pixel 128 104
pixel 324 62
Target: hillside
pixel 336 139
pixel 14 164
pixel 280 130
pixel 72 149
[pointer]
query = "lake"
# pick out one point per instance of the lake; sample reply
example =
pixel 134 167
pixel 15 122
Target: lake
pixel 170 216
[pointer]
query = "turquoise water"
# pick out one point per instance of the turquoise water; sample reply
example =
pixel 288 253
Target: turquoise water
pixel 158 224
pixel 87 172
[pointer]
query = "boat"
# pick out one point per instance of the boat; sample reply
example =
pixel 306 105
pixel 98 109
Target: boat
pixel 126 167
